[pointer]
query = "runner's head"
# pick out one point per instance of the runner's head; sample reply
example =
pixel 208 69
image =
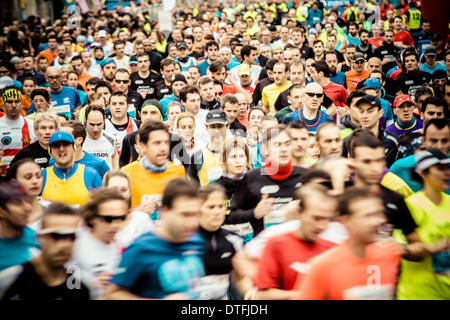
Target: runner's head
pixel 214 207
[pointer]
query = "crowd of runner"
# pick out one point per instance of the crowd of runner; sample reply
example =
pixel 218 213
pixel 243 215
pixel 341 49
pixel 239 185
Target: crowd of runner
pixel 269 150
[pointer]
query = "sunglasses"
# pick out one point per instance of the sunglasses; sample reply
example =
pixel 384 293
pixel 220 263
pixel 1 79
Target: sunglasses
pixel 122 81
pixel 360 62
pixel 109 219
pixel 58 235
pixel 312 94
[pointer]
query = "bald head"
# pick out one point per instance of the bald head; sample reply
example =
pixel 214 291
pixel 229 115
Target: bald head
pixel 374 63
pixel 53 75
pixel 314 87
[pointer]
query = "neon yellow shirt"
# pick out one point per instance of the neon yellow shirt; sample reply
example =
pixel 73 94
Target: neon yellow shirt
pixel 418 280
pixel 271 92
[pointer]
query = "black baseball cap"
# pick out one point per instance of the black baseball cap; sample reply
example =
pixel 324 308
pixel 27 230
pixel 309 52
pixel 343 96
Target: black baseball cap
pixel 216 116
pixel 370 100
pixel 181 45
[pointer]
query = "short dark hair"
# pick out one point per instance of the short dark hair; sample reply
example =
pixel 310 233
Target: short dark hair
pixel 431 100
pixel 57 208
pixel 229 98
pixel 216 66
pixel 40 92
pixel 166 62
pixel 11 173
pixel 318 41
pixel 363 31
pixel 422 90
pixel 118 94
pixel 295 86
pixel 188 90
pixel 438 123
pixel 246 50
pixel 350 196
pixel 176 188
pixel 78 130
pixel 362 138
pixel 93 81
pixel 212 43
pixel 354 94
pixel 270 63
pixel 322 66
pixel 296 125
pixel 91 108
pixel 117 42
pixel 75 58
pixel 148 127
pixel 101 84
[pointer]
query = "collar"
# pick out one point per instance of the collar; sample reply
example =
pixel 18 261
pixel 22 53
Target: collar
pixel 406 127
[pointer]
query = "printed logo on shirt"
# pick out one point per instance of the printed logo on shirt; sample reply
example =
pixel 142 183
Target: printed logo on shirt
pixel 66 100
pixel 270 189
pixel 6 140
pixel 41 160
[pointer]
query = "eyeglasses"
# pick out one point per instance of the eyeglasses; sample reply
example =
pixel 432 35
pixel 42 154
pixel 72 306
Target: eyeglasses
pixel 109 219
pixel 360 62
pixel 312 94
pixel 122 81
pixel 59 235
pixel 53 77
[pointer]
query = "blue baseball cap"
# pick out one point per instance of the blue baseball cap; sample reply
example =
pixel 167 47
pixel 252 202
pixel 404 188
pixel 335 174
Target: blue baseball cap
pixel 107 61
pixel 59 136
pixel 373 83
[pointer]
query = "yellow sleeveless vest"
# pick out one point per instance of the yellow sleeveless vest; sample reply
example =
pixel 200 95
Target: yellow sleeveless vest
pixel 70 191
pixel 211 169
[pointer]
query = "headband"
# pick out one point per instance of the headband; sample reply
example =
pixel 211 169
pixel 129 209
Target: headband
pixel 11 93
pixel 152 106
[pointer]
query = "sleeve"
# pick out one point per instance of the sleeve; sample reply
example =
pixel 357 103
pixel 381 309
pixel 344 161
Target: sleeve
pixel 409 39
pixel 242 204
pixel 104 168
pixel 195 165
pixel 125 155
pixel 288 118
pixel 264 98
pixel 312 285
pixel 129 269
pixel 404 220
pixel 77 99
pixel 92 179
pixel 256 97
pixel 44 176
pixel 268 273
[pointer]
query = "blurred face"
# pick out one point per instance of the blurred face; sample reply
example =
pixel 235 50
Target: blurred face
pixel 213 212
pixel 118 107
pixel 367 216
pixel 109 71
pixel 90 89
pixel 99 54
pixel 330 142
pixel 120 50
pixel 103 92
pixel 77 65
pixel 280 149
pixel 369 115
pixel 225 56
pixel 195 74
pixel 266 37
pixel 120 184
pixel 284 34
pixel 207 91
pixel 220 75
pixel 374 64
pixel 54 78
pixel 40 103
pixel 437 138
pixel 52 44
pixel 143 64
pixel 95 123
pixel 63 153
pixel 212 53
pixel 172 113
pixel 28 87
pixel 398 24
pixel 72 80
pixel 150 114
pixel 255 118
pixel 157 147
pixel 217 132
pixel 332 42
pixel 17 212
pixel 426 26
pixel 411 63
pixel 288 56
pixel 183 53
pixel 318 49
pixel 251 59
pixel 185 128
pixel 376 31
pixel 122 81
pixel 389 37
pixel 231 111
pixel 278 54
pixel 168 71
pixel 313 98
pixel 299 139
pixel 296 98
pixel 279 74
pixel 30 177
pixel 433 112
pixel 28 63
pixel 332 62
pixel 44 131
pixel 183 219
pixel 12 108
pixel 369 164
pixel 109 219
pixel 352 30
pixel 198 34
pixel 308 65
pixel 404 112
pixel 437 176
pixel 315 218
pixel 349 53
pixel 297 74
pixel 57 246
pixel 359 66
pixel 43 65
pixel 86 57
pixel 364 38
pixel 192 103
pixel 245 80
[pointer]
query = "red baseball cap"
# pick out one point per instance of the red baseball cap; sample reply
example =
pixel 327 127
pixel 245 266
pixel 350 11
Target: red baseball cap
pixel 399 100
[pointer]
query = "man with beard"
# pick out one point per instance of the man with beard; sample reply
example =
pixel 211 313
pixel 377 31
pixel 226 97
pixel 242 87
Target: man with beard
pixel 109 69
pixel 365 47
pixel 358 72
pixel 352 37
pixel 61 59
pixel 388 52
pixel 338 77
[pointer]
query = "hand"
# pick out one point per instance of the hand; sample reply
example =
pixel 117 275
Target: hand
pixel 440 246
pixel 264 207
pixel 117 145
pixel 148 206
pixel 104 278
pixel 343 111
pixel 332 110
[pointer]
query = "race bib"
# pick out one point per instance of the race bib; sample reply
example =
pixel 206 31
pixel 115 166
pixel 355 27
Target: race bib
pixel 276 216
pixel 65 108
pixel 382 292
